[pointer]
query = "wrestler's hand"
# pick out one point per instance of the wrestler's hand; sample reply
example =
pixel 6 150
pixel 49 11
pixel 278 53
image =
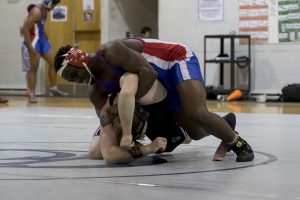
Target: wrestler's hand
pixel 126 141
pixel 160 144
pixel 137 151
pixel 32 53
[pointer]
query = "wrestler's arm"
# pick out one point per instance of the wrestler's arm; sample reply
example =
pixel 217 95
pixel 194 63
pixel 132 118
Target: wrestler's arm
pixel 114 154
pixel 117 53
pixel 97 98
pixel 94 149
pixel 126 105
pixel 106 146
pixel 94 94
pixel 33 17
pixel 109 145
pixel 126 102
pixel 100 102
pixel 128 84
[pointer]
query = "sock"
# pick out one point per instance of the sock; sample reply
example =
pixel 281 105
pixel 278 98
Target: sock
pixel 234 140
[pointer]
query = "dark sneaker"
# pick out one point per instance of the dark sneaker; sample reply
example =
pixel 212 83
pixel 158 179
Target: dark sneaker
pixel 56 92
pixel 243 151
pixel 32 97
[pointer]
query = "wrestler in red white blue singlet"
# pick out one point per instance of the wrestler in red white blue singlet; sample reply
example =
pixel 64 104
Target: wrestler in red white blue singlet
pixel 37 34
pixel 173 63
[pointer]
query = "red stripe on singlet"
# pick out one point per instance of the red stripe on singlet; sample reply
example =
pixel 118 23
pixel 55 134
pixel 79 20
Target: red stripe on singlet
pixel 164 51
pixel 32 33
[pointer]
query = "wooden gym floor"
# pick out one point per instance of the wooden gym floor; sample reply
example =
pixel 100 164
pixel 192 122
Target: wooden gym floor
pixel 43 155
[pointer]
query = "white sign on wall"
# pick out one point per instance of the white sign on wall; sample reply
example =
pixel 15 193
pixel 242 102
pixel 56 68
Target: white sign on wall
pixel 211 10
pixel 59 14
pixel 254 20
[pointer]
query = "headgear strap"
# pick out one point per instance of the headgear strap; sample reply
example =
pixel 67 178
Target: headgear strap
pixel 142 116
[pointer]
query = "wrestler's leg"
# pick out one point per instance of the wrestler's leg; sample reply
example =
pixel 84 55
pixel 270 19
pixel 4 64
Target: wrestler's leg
pixel 195 108
pixel 49 58
pixel 195 131
pixel 193 99
pixel 51 71
pixel 94 149
pixel 32 75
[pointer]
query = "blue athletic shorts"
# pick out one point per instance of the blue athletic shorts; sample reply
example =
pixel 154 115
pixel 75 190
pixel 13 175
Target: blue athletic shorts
pixel 179 72
pixel 41 46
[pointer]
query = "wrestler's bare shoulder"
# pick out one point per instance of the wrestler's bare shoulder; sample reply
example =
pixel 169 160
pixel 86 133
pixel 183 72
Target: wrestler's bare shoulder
pixel 132 43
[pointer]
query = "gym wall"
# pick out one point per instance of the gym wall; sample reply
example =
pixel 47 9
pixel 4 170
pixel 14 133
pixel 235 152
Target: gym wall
pixel 273 65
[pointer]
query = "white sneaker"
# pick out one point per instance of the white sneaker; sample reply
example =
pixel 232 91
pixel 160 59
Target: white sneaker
pixel 32 98
pixel 56 92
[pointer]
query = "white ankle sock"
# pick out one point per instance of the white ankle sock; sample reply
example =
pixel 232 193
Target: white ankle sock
pixel 234 140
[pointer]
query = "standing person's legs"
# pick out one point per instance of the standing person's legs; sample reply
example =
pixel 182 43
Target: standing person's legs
pixel 32 75
pixel 27 84
pixel 51 71
pixel 47 55
pixel 26 65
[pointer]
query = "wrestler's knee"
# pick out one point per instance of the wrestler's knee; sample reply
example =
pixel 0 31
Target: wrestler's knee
pixel 95 154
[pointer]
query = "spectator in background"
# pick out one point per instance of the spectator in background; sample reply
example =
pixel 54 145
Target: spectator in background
pixel 38 46
pixel 25 52
pixel 146 32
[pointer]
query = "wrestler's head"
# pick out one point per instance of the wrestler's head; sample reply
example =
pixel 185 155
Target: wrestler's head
pixel 50 4
pixel 72 65
pixel 30 7
pixel 139 123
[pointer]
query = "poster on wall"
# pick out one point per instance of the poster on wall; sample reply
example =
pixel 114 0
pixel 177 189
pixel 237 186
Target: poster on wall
pixel 59 14
pixel 210 10
pixel 289 20
pixel 254 20
pixel 88 10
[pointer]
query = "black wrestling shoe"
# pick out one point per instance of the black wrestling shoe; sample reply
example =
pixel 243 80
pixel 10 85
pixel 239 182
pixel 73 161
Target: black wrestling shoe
pixel 243 151
pixel 230 119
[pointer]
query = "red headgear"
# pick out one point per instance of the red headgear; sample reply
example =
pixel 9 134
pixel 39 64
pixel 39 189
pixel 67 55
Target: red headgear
pixel 77 58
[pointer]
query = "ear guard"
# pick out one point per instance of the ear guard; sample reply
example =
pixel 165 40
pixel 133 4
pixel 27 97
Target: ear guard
pixel 139 121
